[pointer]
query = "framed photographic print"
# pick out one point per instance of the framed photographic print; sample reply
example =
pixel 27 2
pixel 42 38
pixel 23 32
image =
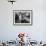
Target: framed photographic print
pixel 22 17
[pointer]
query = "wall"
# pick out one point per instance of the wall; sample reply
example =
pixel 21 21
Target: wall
pixel 37 31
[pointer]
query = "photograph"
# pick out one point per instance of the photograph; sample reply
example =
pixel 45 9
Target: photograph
pixel 22 22
pixel 22 16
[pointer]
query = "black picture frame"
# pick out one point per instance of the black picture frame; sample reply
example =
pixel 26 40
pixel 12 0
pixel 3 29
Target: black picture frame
pixel 22 17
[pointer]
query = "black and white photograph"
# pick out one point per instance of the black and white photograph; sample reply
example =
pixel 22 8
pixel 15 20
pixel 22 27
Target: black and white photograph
pixel 22 16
